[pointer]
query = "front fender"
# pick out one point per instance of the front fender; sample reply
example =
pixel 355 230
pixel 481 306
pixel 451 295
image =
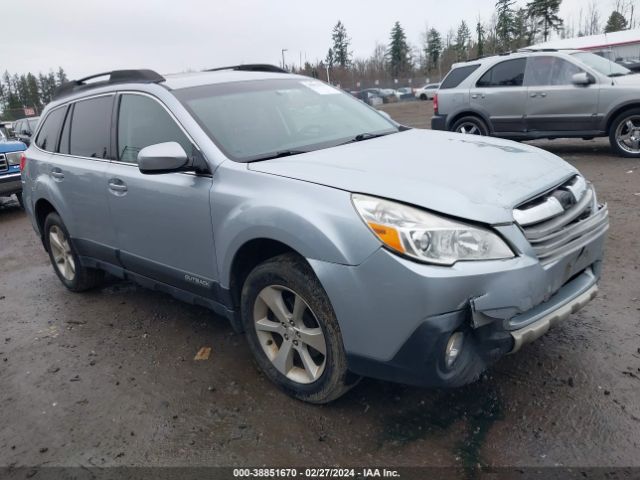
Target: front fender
pixel 316 221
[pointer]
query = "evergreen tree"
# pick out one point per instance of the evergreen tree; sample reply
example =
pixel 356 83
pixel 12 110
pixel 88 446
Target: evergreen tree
pixel 505 23
pixel 341 42
pixel 480 38
pixel 525 29
pixel 398 52
pixel 462 39
pixel 33 93
pixel 433 48
pixel 545 12
pixel 61 76
pixel 330 58
pixel 616 22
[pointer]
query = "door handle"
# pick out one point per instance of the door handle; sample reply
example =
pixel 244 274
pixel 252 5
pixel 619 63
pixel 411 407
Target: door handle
pixel 543 94
pixel 57 173
pixel 476 95
pixel 116 185
pixel 534 95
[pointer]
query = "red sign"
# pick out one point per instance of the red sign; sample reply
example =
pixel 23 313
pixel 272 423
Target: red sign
pixel 29 111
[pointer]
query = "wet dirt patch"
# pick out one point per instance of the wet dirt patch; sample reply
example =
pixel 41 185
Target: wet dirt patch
pixel 476 407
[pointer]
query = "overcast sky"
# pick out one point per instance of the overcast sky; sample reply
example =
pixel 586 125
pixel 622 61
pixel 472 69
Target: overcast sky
pixel 89 36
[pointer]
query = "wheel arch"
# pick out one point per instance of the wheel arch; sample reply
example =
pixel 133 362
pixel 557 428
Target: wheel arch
pixel 251 254
pixel 619 110
pixel 42 208
pixel 469 113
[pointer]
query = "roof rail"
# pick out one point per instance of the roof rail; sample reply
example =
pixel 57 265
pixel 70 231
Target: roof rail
pixel 251 67
pixel 532 49
pixel 115 77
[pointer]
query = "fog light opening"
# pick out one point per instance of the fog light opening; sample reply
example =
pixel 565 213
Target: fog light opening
pixel 454 347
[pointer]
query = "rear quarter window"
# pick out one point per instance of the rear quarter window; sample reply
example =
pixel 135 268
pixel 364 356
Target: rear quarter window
pixel 50 131
pixel 457 76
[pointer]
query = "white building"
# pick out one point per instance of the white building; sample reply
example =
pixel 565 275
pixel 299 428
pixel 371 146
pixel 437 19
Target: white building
pixel 623 45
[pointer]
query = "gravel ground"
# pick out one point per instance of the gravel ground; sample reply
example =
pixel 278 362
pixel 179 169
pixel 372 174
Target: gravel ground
pixel 108 378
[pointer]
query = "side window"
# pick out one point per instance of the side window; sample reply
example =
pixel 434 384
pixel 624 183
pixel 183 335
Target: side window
pixel 18 127
pixel 505 74
pixel 50 131
pixel 539 70
pixel 33 124
pixel 91 127
pixel 142 121
pixel 549 70
pixel 563 72
pixel 457 76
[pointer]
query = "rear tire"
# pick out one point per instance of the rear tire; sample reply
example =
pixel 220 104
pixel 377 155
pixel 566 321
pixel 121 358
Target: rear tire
pixel 424 97
pixel 293 332
pixel 470 125
pixel 65 259
pixel 624 134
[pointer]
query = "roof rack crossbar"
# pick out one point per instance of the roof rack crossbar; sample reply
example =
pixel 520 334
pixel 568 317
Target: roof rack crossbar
pixel 115 77
pixel 250 67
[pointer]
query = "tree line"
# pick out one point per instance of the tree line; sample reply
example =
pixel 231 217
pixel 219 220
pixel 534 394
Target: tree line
pixel 510 28
pixel 27 91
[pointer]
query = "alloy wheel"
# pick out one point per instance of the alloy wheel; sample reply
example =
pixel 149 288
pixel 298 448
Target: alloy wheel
pixel 289 334
pixel 628 134
pixel 61 253
pixel 469 128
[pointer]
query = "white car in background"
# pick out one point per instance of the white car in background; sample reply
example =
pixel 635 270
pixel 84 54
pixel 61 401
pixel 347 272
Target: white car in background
pixel 427 92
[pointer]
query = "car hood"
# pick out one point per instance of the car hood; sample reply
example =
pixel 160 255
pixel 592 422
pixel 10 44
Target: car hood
pixel 477 178
pixel 7 146
pixel 633 79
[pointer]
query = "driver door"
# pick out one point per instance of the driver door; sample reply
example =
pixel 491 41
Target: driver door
pixel 162 221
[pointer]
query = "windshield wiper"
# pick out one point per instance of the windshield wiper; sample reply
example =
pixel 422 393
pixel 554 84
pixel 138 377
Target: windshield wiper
pixel 279 154
pixel 365 136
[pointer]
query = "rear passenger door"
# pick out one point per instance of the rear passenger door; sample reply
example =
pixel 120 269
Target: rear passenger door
pixel 78 137
pixel 501 95
pixel 554 103
pixel 163 221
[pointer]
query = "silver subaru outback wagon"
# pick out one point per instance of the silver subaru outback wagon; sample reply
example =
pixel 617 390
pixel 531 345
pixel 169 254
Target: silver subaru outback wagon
pixel 543 94
pixel 343 244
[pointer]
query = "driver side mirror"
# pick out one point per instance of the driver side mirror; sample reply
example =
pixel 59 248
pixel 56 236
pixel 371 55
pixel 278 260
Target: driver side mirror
pixel 26 132
pixel 582 79
pixel 162 158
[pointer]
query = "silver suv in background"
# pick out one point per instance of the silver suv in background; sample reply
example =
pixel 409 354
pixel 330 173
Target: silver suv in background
pixel 314 223
pixel 542 94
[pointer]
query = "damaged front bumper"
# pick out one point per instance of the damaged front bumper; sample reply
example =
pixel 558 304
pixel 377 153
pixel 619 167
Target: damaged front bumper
pixel 396 316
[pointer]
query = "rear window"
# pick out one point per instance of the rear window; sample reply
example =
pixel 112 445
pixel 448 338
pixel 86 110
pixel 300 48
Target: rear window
pixel 457 76
pixel 505 74
pixel 50 131
pixel 91 127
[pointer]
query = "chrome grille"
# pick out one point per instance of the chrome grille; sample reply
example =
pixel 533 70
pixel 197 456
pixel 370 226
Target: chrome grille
pixel 4 165
pixel 562 220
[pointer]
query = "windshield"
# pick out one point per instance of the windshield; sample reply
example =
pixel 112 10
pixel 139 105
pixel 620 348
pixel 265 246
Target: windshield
pixel 602 65
pixel 256 119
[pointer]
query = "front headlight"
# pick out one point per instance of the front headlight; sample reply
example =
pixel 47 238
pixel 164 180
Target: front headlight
pixel 428 237
pixel 13 158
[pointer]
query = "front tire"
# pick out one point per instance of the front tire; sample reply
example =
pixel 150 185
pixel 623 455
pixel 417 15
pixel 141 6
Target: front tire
pixel 423 97
pixel 470 126
pixel 293 332
pixel 64 258
pixel 20 199
pixel 624 135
